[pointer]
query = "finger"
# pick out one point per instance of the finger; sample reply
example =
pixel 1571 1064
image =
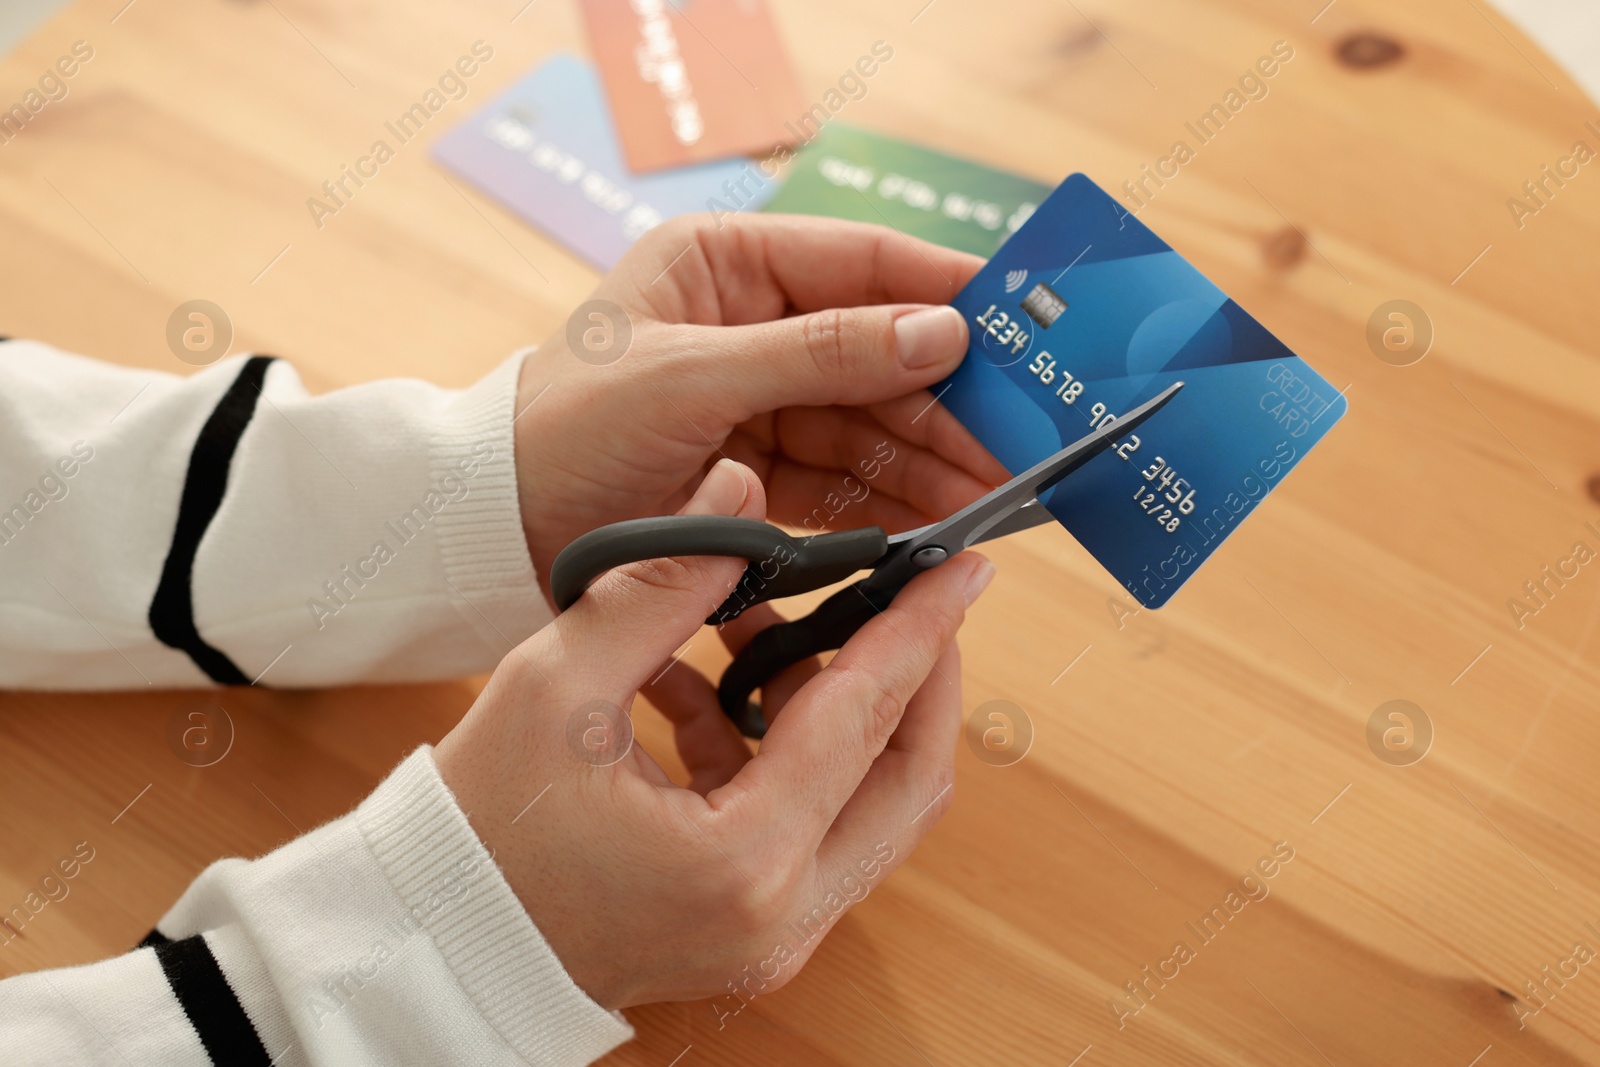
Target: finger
pixel 777 691
pixel 826 263
pixel 752 268
pixel 842 355
pixel 632 619
pixel 799 494
pixel 822 746
pixel 710 746
pixel 918 418
pixel 910 785
pixel 809 497
pixel 871 458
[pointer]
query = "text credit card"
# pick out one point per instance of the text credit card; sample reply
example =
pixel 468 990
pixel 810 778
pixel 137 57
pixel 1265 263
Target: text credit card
pixel 1084 313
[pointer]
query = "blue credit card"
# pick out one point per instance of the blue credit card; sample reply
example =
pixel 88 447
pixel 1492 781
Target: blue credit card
pixel 1084 313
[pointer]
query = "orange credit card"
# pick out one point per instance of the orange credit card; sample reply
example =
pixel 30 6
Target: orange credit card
pixel 693 80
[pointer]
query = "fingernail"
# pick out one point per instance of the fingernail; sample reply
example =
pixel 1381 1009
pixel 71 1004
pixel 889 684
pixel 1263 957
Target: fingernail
pixel 723 491
pixel 930 336
pixel 979 581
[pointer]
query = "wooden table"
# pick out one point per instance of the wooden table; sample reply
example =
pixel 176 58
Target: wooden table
pixel 1179 746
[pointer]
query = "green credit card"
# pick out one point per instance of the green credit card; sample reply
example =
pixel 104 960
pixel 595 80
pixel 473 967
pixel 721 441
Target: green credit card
pixel 849 173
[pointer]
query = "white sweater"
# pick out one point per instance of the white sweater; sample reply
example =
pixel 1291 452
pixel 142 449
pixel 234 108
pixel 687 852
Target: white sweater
pixel 229 528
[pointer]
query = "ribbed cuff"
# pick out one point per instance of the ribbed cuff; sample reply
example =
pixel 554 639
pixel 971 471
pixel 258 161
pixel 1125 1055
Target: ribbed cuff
pixel 481 540
pixel 454 891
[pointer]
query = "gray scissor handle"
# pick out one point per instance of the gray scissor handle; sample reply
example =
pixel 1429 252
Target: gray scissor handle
pixel 835 621
pixel 778 565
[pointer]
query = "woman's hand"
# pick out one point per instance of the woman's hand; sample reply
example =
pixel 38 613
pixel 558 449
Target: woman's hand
pixel 650 892
pixel 799 346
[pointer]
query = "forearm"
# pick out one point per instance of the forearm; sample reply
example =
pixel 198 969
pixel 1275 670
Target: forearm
pixel 228 526
pixel 388 936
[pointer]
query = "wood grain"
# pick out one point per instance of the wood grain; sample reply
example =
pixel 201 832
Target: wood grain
pixel 1181 745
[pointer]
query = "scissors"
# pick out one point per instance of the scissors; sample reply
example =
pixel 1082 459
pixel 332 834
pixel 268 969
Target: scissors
pixel 780 565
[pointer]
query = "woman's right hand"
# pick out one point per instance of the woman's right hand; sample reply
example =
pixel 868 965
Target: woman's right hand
pixel 647 891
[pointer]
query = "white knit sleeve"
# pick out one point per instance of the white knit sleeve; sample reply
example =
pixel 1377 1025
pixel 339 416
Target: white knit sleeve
pixel 228 527
pixel 386 937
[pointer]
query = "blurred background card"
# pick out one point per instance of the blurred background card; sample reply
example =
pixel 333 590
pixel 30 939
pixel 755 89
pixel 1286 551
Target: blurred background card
pixel 693 80
pixel 850 173
pixel 546 148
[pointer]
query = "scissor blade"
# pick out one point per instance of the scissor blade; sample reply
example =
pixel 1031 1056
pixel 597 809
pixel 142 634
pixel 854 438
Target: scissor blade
pixel 1081 451
pixel 994 515
pixel 1026 517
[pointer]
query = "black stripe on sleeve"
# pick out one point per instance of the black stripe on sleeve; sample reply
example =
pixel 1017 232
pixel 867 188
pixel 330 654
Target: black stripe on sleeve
pixel 154 938
pixel 172 608
pixel 215 1013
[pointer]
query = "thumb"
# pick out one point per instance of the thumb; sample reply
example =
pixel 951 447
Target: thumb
pixel 855 355
pixel 631 620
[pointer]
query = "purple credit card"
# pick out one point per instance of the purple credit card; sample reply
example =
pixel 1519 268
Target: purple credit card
pixel 548 150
